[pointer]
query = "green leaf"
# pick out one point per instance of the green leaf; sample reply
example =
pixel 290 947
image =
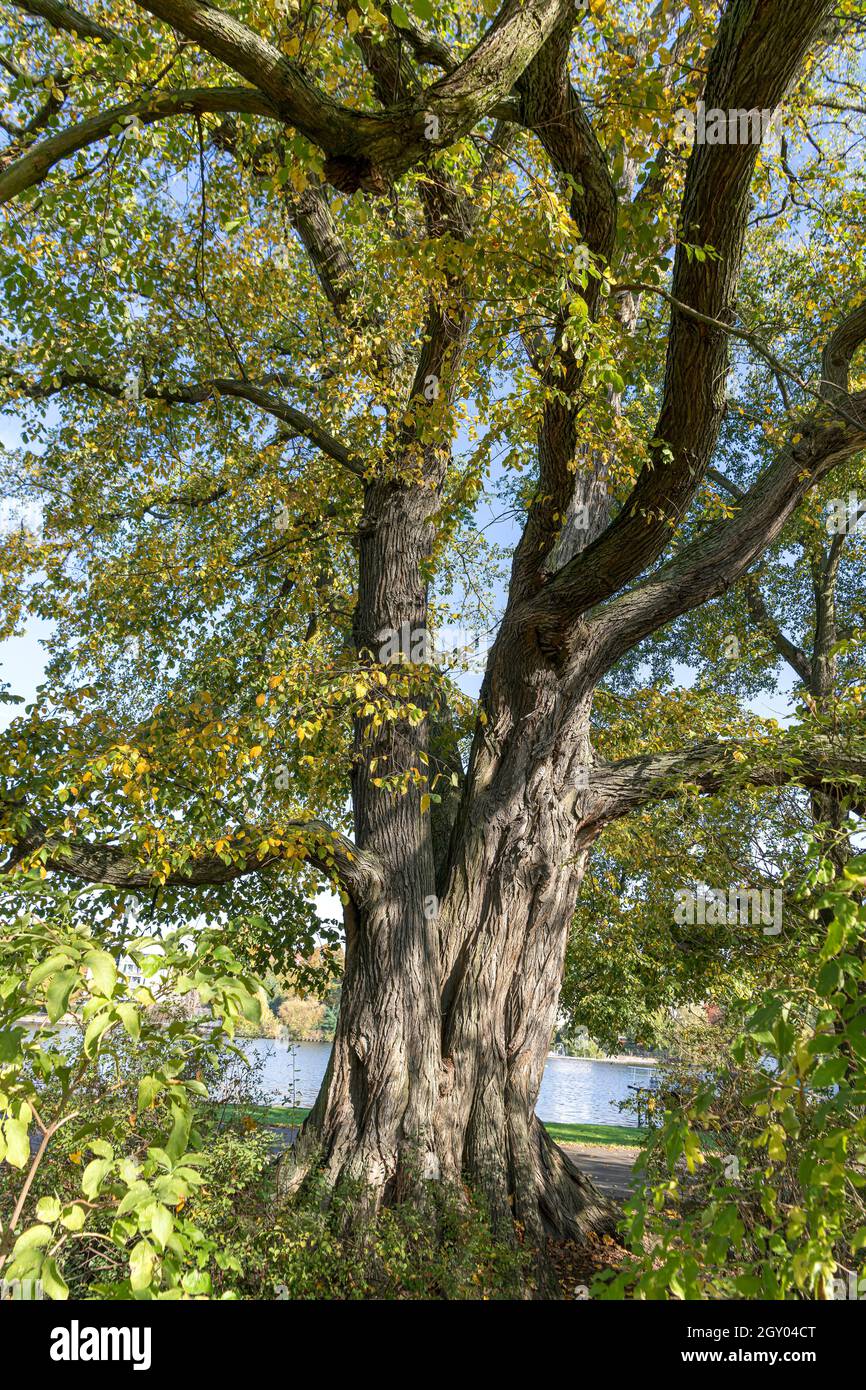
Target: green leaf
pixel 776 1145
pixel 95 1029
pixel 828 1073
pixel 830 978
pixel 130 1018
pixel 103 970
pixel 48 1208
pixel 138 1193
pixel 856 868
pixel 73 1218
pixel 17 1143
pixel 196 1281
pixel 835 938
pixel 141 1266
pixel 48 967
pixel 171 1189
pixel 10 1043
pixel 33 1238
pixel 52 1282
pixel 177 1140
pixel 162 1225
pixel 251 1006
pixel 149 1088
pixel 58 992
pixel 93 1175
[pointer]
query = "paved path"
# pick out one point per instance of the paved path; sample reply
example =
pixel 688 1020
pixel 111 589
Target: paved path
pixel 610 1169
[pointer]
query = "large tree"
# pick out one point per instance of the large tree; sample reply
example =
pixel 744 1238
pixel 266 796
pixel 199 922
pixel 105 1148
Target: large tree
pixel 287 287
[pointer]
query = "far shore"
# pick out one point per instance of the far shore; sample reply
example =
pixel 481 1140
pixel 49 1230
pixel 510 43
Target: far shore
pixel 624 1057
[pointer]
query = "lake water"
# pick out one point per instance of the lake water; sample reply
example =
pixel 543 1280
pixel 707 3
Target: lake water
pixel 573 1090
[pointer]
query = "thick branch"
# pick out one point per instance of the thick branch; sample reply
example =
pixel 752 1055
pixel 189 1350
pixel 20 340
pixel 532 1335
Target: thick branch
pixel 844 342
pixel 366 148
pixel 427 47
pixel 116 867
pixel 757 54
pixel 711 765
pixel 720 555
pixel 712 562
pixel 312 220
pixel 61 16
pixel 198 392
pixel 551 108
pixel 40 159
pixel 309 214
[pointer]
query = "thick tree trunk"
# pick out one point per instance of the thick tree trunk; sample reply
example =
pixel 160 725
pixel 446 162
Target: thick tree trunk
pixel 373 1120
pixel 520 853
pixel 447 1014
pixel 423 1088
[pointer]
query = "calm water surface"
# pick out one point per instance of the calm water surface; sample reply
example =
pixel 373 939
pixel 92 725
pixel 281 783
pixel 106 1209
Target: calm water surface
pixel 574 1089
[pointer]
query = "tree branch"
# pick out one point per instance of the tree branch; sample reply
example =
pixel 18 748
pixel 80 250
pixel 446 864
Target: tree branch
pixel 198 392
pixel 40 159
pixel 794 655
pixel 709 766
pixel 61 16
pixel 427 47
pixel 550 107
pixel 364 149
pixel 757 54
pixel 112 865
pixel 717 557
pixel 312 220
pixel 843 343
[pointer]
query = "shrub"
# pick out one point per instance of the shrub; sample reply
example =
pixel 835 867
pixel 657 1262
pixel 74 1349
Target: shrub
pixel 98 1145
pixel 754 1183
pixel 318 1245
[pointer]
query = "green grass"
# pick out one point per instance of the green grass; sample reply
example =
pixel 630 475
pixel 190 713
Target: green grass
pixel 604 1135
pixel 610 1135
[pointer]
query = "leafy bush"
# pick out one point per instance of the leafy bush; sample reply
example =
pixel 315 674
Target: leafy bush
pixel 99 1085
pixel 317 1246
pixel 754 1184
